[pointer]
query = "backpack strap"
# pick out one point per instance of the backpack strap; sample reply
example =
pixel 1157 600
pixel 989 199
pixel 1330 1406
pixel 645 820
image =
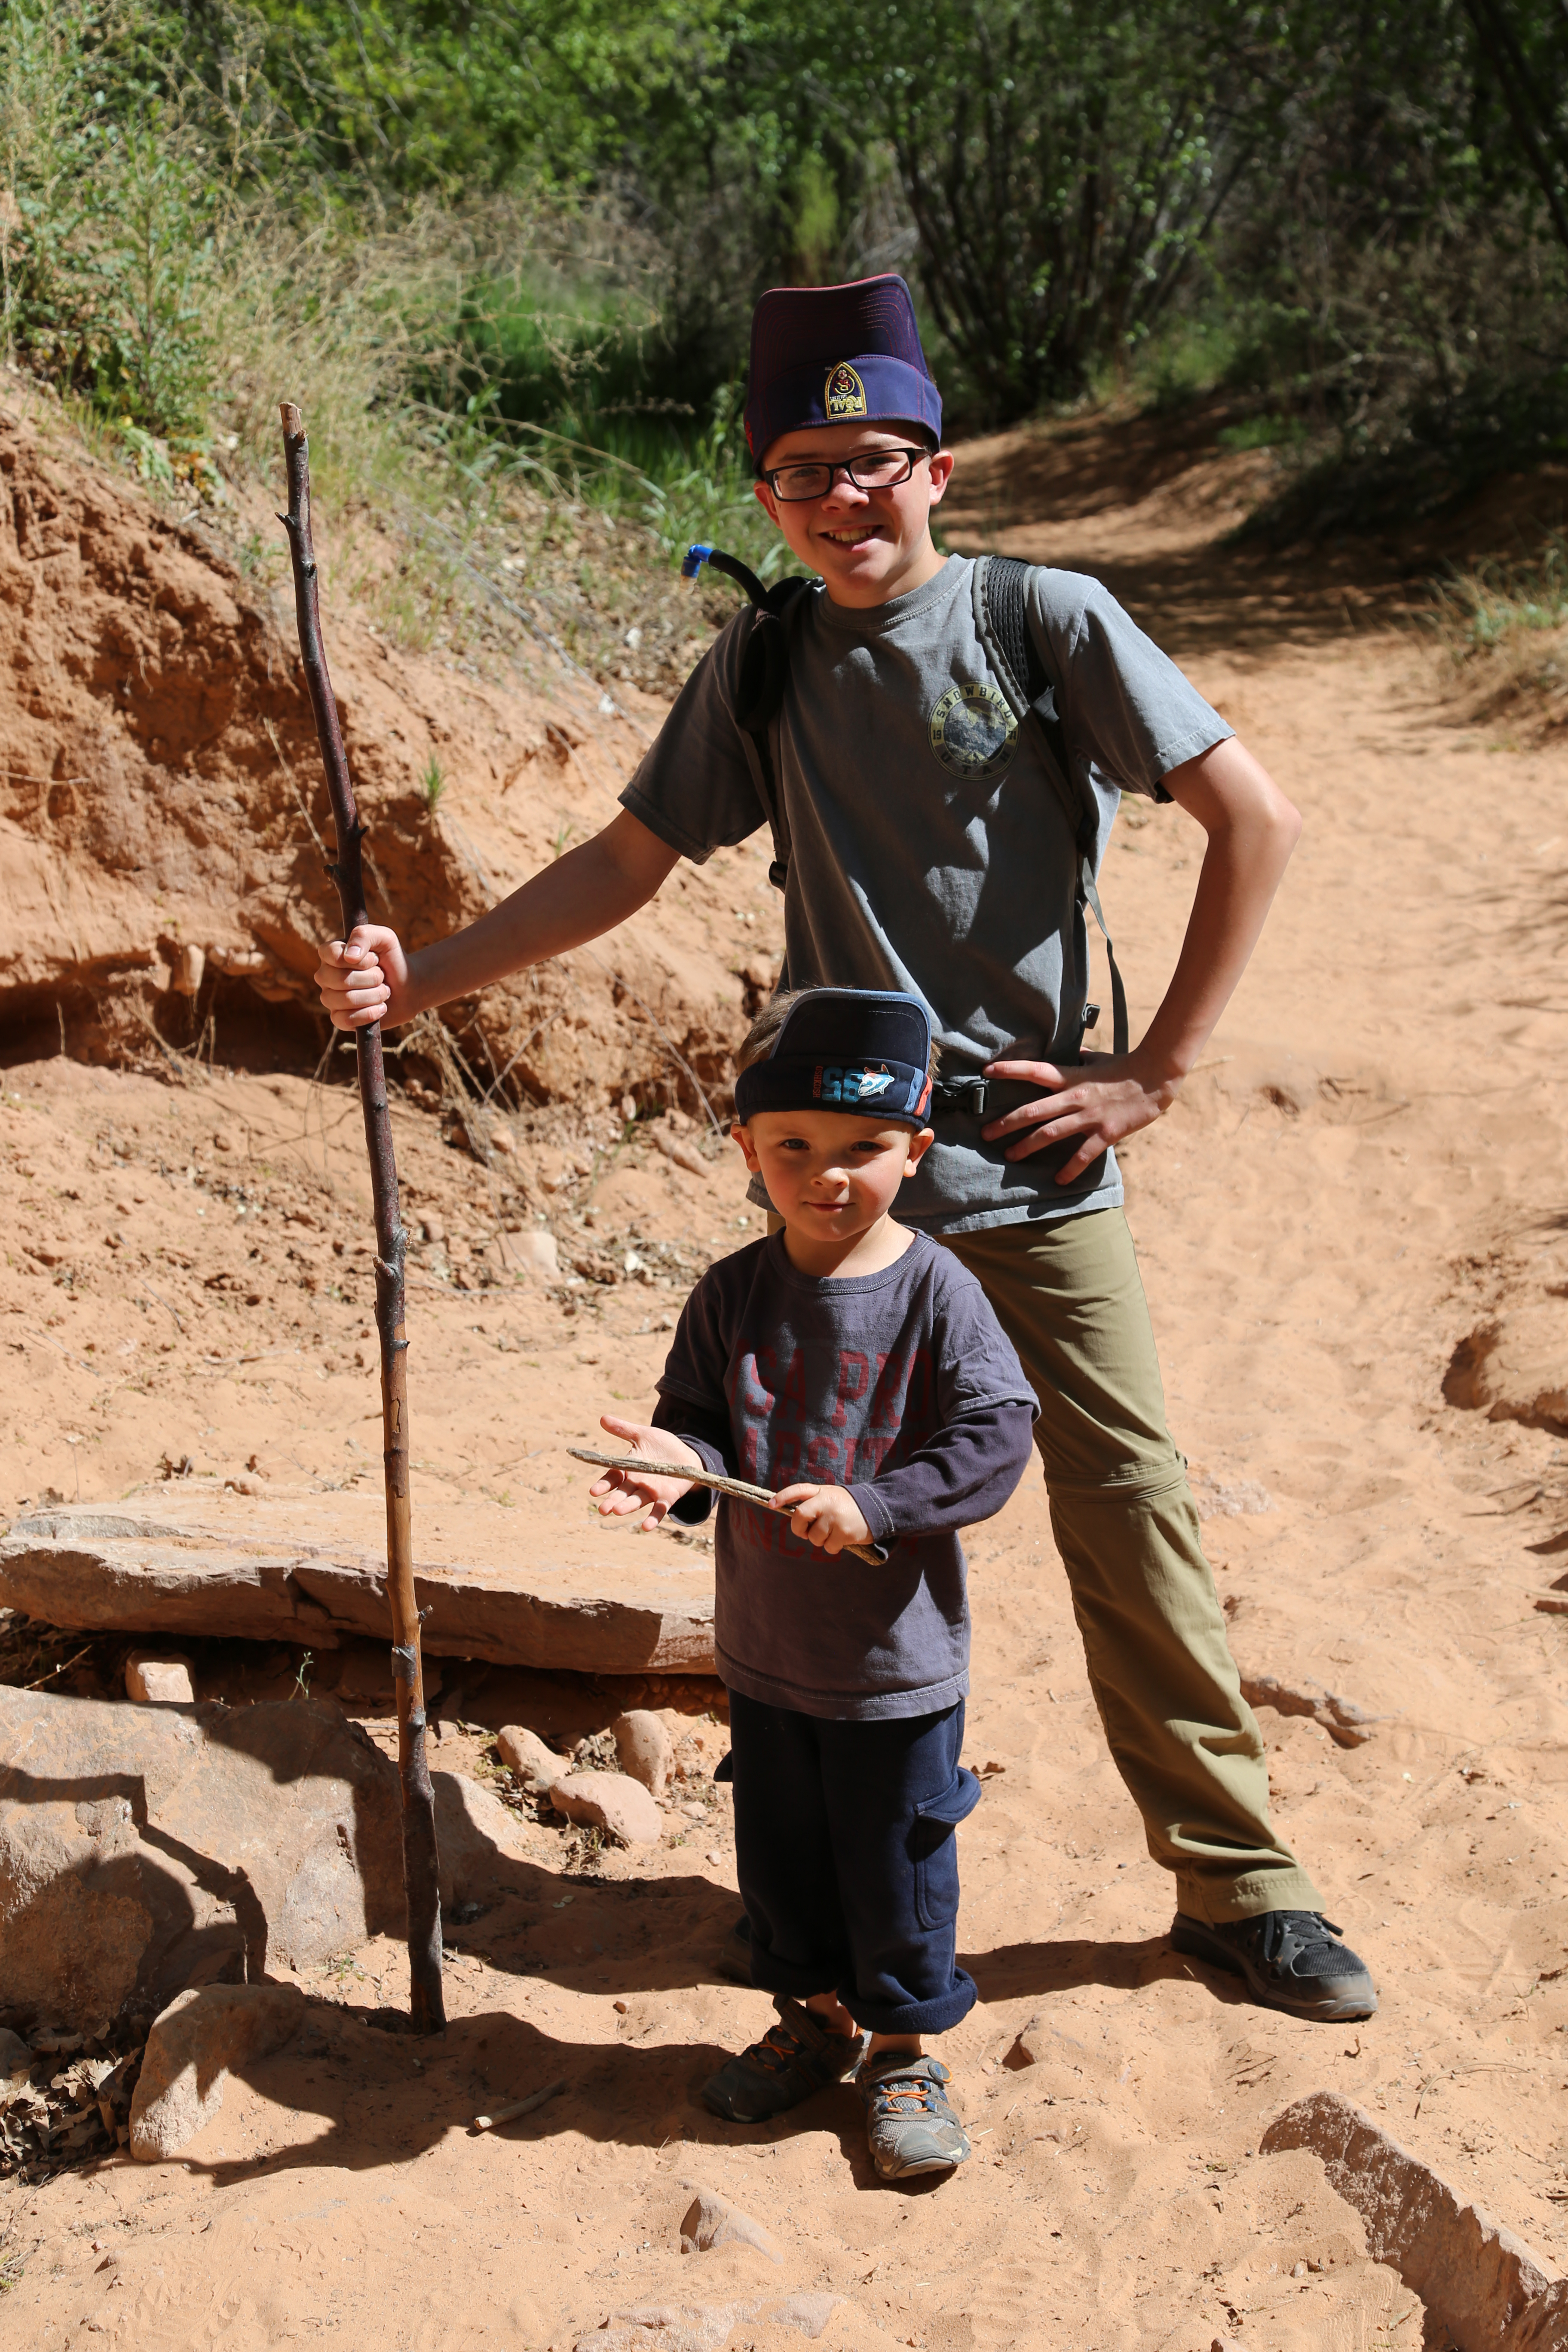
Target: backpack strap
pixel 1001 618
pixel 764 670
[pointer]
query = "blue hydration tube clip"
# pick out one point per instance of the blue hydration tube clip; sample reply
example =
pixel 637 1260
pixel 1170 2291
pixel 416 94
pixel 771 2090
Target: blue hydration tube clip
pixel 692 561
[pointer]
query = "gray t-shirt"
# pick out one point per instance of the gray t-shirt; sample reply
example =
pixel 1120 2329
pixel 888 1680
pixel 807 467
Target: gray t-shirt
pixel 930 850
pixel 901 1386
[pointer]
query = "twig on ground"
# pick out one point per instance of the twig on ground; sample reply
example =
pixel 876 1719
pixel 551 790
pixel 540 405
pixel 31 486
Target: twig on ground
pixel 509 2113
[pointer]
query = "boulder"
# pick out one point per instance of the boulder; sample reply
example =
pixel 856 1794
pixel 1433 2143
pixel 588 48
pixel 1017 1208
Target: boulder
pixel 536 1765
pixel 200 2039
pixel 609 1802
pixel 142 1848
pixel 642 1743
pixel 159 1680
pixel 711 2221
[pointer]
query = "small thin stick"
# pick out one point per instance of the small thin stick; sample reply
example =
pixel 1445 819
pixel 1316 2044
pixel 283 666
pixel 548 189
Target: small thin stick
pixel 509 2114
pixel 763 1496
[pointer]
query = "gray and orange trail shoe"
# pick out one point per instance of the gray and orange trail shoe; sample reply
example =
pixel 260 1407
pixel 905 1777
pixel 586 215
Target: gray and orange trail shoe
pixel 1292 1960
pixel 910 2125
pixel 794 2058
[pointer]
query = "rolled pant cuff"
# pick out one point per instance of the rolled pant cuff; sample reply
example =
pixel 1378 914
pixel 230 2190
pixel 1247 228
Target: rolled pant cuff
pixel 1247 1898
pixel 939 2016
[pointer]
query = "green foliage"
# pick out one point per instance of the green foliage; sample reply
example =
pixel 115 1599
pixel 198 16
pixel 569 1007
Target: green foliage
pixel 509 254
pixel 1060 160
pixel 433 783
pixel 108 211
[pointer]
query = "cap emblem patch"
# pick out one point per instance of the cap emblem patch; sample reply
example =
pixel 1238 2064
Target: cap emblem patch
pixel 845 1087
pixel 844 395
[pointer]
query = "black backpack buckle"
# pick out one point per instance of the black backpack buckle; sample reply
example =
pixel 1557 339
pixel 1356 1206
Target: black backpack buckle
pixel 965 1096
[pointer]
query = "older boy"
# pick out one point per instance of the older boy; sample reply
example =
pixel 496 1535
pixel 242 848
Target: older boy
pixel 855 1367
pixel 932 853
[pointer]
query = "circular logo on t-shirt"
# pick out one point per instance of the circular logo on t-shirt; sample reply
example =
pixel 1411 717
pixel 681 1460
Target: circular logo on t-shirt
pixel 973 731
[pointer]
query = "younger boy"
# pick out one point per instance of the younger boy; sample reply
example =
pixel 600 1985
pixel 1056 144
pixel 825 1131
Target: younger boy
pixel 854 1367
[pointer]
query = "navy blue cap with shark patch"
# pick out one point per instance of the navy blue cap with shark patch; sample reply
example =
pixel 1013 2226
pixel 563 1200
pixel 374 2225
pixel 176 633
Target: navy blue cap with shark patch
pixel 865 1051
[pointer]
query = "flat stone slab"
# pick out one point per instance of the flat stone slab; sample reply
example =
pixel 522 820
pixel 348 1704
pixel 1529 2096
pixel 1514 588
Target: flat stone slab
pixel 1486 2285
pixel 520 1587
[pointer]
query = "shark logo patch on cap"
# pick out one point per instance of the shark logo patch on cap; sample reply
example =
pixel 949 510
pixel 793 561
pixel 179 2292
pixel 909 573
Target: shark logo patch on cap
pixel 844 395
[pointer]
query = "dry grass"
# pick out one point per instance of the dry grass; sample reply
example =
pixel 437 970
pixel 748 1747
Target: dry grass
pixel 1504 627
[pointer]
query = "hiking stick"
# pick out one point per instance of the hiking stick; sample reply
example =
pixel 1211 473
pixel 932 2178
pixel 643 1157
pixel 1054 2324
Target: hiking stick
pixel 741 1488
pixel 420 1869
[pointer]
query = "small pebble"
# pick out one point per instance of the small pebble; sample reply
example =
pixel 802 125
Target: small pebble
pixel 620 2007
pixel 713 1857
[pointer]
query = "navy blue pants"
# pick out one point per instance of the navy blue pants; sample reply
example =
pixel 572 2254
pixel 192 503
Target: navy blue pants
pixel 847 1861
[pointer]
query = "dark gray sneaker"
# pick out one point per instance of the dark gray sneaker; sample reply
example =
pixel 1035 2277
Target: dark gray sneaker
pixel 794 2058
pixel 909 2123
pixel 1292 1960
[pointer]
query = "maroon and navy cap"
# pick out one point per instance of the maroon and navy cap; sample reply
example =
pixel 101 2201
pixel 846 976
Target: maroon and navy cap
pixel 836 354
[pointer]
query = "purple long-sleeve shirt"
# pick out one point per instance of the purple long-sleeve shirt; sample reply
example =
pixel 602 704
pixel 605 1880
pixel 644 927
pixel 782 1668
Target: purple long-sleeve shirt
pixel 901 1386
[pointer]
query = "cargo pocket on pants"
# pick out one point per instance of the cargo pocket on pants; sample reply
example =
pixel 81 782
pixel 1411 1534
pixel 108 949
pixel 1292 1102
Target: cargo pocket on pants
pixel 935 1849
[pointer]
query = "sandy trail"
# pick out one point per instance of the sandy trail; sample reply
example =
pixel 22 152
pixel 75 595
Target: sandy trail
pixel 1366 1171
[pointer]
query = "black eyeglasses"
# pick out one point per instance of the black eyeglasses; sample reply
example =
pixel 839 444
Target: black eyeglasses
pixel 872 469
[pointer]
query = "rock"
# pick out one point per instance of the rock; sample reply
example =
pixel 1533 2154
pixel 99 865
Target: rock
pixel 1515 1369
pixel 190 963
pixel 610 1802
pixel 570 1599
pixel 711 2221
pixel 533 1252
pixel 142 1845
pixel 704 2326
pixel 1472 2274
pixel 1349 1725
pixel 159 1680
pixel 1543 2327
pixel 1240 1498
pixel 475 1835
pixel 642 1743
pixel 15 2065
pixel 685 1155
pixel 808 2313
pixel 536 1765
pixel 198 2041
pixel 667 2328
pixel 1228 2344
pixel 1039 2040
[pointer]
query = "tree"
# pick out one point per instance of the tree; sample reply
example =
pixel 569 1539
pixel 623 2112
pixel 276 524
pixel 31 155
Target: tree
pixel 1062 161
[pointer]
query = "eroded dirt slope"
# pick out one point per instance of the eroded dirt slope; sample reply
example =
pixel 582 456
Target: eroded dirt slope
pixel 163 831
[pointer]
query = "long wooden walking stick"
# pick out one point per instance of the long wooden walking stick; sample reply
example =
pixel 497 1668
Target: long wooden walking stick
pixel 420 1869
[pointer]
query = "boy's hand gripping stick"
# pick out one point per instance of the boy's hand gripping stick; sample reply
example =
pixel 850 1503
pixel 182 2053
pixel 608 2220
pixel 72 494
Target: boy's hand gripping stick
pixel 635 1466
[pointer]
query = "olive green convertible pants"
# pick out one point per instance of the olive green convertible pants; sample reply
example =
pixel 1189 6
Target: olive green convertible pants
pixel 1184 1740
